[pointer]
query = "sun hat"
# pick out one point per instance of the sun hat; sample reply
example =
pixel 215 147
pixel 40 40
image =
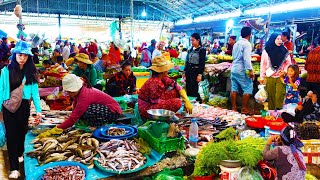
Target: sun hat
pixel 72 83
pixel 119 43
pixel 82 57
pixel 22 47
pixel 160 64
pixel 153 41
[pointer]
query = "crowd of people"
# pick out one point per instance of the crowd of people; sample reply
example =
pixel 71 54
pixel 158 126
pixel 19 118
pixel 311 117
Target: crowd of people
pixel 82 64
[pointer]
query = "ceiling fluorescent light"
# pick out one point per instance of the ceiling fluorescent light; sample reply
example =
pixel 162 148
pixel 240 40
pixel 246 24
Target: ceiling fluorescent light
pixel 184 22
pixel 284 7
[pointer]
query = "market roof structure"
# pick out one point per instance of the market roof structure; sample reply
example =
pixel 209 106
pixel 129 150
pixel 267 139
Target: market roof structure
pixel 171 10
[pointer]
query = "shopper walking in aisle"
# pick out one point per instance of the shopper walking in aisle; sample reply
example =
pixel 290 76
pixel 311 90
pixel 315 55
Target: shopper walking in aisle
pixel 66 51
pixel 93 48
pixel 241 71
pixel 285 37
pixel 231 42
pixel 287 156
pixel 195 66
pixel 183 55
pixel 313 67
pixel 275 60
pixel 159 49
pixel 152 46
pixel 161 92
pixel 91 105
pixel 145 59
pixel 21 72
pixel 4 49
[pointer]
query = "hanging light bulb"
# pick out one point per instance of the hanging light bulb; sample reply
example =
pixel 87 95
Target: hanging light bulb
pixel 144 13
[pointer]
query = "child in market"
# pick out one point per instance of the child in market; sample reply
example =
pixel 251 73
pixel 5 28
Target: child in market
pixel 292 82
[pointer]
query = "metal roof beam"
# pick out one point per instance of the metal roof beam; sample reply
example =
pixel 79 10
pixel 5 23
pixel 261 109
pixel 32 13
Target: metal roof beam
pixel 230 5
pixel 7 2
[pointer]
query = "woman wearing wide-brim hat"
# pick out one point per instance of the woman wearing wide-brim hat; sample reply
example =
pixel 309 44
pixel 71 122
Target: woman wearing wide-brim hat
pixel 85 68
pixel 161 92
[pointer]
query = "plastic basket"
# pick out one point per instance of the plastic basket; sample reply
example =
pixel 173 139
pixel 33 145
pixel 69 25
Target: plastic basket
pixel 161 145
pixel 311 151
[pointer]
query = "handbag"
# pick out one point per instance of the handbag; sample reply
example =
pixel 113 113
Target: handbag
pixel 15 100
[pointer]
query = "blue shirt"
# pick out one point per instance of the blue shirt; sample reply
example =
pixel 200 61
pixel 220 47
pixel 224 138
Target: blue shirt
pixel 30 90
pixel 241 54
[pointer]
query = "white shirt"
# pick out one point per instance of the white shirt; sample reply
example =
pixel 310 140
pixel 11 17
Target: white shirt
pixel 156 53
pixel 65 53
pixel 183 55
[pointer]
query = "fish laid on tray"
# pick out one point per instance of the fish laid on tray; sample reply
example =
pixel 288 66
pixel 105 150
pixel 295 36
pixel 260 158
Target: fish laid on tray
pixel 120 155
pixel 115 131
pixel 71 146
pixel 65 173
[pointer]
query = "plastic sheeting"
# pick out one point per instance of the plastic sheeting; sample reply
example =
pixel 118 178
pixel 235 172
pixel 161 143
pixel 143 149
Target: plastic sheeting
pixel 31 164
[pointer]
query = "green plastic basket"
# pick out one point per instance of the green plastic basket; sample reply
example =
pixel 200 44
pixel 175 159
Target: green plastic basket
pixel 161 145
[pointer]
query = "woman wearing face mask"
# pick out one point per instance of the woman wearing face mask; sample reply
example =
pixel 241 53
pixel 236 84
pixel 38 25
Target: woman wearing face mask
pixel 21 69
pixel 275 60
pixel 194 68
pixel 91 105
pixel 124 82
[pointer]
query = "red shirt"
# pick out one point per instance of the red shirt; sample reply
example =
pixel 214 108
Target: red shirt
pixel 173 53
pixel 84 99
pixel 93 48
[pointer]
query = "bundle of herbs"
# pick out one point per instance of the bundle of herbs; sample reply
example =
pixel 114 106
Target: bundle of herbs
pixel 248 151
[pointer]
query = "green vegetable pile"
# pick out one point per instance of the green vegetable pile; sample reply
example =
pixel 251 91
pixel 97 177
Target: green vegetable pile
pixel 227 134
pixel 174 74
pixel 140 69
pixel 248 151
pixel 256 68
pixel 178 62
pixel 219 101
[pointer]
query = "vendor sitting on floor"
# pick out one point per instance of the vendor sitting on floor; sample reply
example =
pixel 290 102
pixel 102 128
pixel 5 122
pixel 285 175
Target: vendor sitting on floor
pixel 90 105
pixel 161 92
pixel 287 157
pixel 85 68
pixel 123 82
pixel 308 111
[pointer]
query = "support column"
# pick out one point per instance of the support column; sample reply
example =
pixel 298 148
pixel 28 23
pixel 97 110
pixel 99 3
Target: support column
pixel 59 25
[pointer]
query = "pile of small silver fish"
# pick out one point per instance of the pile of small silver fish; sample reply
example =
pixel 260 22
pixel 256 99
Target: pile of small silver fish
pixel 70 146
pixel 120 155
pixel 64 173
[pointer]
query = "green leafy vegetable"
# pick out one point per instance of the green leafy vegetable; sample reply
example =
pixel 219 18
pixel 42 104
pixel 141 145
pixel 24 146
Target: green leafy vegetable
pixel 226 134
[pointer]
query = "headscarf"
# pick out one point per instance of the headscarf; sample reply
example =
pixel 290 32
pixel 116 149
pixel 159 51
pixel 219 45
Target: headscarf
pixel 276 53
pixel 289 137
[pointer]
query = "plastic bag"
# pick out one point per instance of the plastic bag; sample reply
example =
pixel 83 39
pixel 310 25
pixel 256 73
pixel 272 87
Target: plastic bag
pixel 168 174
pixel 262 95
pixel 204 90
pixel 247 173
pixel 2 134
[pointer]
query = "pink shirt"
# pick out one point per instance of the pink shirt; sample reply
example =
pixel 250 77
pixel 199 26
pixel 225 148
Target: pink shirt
pixel 265 64
pixel 84 99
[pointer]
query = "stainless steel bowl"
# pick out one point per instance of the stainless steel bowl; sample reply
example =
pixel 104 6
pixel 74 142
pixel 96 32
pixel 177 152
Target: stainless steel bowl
pixel 160 114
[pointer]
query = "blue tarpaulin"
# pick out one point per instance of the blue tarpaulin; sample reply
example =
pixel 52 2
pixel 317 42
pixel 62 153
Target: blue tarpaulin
pixel 31 164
